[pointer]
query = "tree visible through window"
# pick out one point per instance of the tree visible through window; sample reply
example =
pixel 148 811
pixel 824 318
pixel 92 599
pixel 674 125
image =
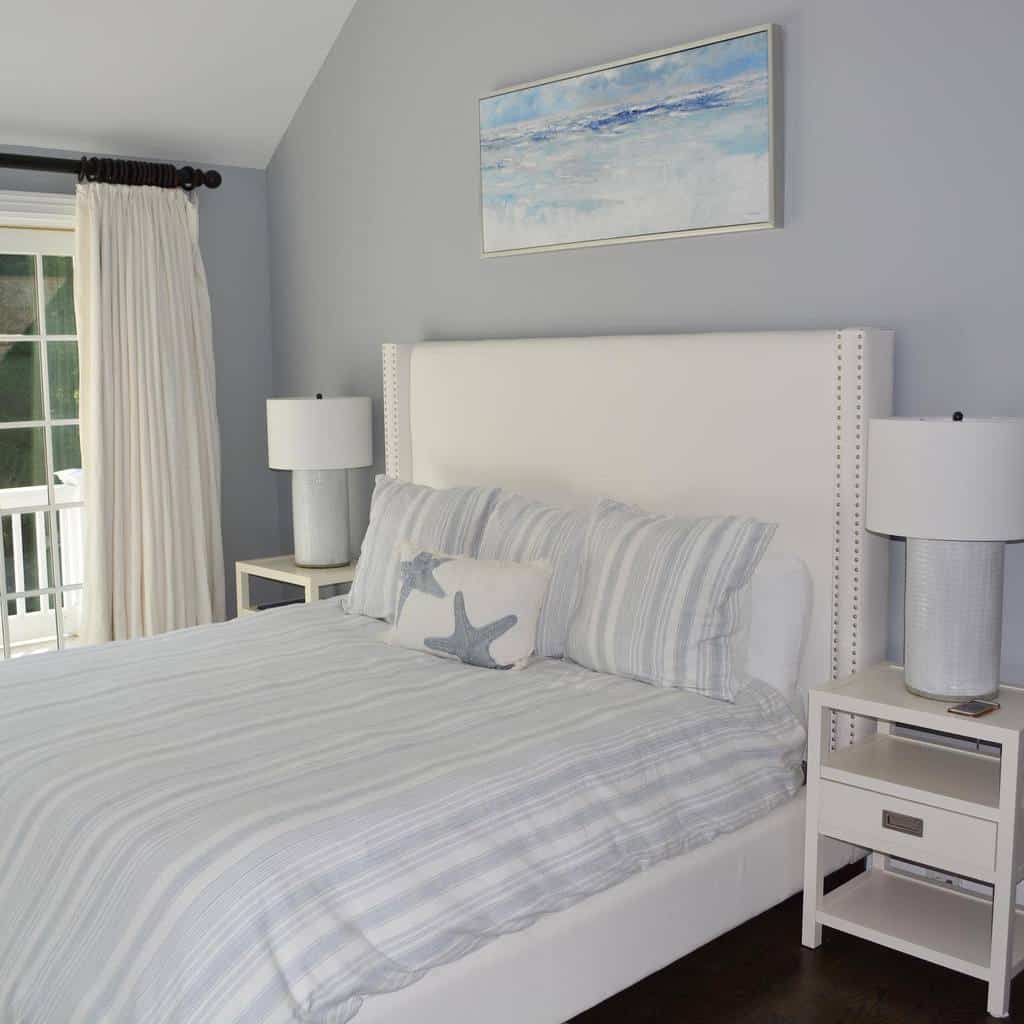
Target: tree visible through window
pixel 42 501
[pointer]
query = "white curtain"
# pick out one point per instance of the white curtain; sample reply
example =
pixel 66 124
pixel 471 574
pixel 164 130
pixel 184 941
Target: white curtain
pixel 150 443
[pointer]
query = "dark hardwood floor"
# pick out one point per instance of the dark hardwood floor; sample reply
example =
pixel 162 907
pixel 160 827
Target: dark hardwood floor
pixel 760 974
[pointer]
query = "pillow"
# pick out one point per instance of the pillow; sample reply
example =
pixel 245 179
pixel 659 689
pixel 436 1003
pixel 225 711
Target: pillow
pixel 780 612
pixel 483 613
pixel 521 530
pixel 661 597
pixel 450 520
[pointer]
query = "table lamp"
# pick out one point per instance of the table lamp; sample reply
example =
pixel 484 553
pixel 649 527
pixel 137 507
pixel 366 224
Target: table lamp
pixel 955 489
pixel 319 440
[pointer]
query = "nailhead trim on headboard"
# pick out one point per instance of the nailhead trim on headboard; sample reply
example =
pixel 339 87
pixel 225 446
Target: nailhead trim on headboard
pixel 837 508
pixel 837 531
pixel 391 407
pixel 848 521
pixel 858 485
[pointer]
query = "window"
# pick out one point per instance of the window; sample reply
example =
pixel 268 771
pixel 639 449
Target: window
pixel 42 505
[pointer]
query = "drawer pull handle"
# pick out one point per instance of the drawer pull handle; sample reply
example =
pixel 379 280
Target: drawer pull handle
pixel 904 823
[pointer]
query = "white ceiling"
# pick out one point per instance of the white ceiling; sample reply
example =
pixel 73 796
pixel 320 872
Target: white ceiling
pixel 196 81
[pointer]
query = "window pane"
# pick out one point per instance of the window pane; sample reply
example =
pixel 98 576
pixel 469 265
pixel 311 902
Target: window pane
pixel 21 394
pixel 59 289
pixel 27 558
pixel 69 487
pixel 5 528
pixel 67 453
pixel 23 462
pixel 71 544
pixel 33 633
pixel 62 359
pixel 18 310
pixel 72 614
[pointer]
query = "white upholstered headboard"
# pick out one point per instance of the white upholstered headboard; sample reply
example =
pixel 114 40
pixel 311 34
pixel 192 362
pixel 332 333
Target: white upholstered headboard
pixel 765 424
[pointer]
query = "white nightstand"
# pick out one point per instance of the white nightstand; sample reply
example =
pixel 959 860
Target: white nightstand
pixel 955 811
pixel 283 569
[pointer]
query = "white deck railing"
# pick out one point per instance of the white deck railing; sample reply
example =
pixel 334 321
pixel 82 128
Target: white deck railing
pixel 39 627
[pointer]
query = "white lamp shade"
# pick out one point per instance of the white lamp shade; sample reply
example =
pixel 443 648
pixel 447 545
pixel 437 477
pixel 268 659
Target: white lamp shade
pixel 943 480
pixel 319 433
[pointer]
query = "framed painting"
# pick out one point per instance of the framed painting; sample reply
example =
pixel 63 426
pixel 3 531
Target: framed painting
pixel 679 142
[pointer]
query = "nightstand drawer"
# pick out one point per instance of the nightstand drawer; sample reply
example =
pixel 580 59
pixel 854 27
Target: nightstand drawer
pixel 942 839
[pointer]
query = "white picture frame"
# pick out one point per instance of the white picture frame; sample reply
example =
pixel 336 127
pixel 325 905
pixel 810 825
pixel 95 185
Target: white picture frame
pixel 494 242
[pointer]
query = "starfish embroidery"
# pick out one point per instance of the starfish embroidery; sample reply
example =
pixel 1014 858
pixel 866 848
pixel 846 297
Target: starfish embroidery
pixel 467 643
pixel 418 574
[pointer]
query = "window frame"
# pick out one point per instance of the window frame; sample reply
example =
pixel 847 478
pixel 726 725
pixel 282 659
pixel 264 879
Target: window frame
pixel 39 224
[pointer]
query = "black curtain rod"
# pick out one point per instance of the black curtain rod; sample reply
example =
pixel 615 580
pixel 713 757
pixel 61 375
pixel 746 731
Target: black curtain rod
pixel 116 172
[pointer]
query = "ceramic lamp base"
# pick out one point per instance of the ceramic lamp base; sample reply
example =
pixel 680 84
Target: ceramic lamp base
pixel 320 517
pixel 954 612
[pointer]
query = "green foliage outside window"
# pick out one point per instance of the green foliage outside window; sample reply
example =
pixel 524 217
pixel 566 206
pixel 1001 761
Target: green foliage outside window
pixel 22 449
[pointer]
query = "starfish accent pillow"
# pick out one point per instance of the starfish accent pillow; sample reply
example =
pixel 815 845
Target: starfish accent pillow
pixel 482 613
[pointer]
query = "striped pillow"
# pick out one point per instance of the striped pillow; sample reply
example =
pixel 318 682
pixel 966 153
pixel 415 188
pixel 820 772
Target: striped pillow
pixel 450 520
pixel 521 530
pixel 660 597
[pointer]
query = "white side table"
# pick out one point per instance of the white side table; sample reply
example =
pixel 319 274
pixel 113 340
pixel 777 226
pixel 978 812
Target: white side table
pixel 283 569
pixel 955 811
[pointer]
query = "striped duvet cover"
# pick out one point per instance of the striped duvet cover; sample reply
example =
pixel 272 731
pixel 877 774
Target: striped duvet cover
pixel 274 819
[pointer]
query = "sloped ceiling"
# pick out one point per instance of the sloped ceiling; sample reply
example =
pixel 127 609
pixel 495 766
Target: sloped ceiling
pixel 198 82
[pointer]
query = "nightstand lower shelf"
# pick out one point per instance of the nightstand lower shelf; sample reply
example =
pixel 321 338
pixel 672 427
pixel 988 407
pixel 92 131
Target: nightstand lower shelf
pixel 918 800
pixel 942 925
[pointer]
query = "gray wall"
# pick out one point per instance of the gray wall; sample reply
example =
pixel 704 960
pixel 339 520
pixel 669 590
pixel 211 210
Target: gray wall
pixel 903 197
pixel 234 242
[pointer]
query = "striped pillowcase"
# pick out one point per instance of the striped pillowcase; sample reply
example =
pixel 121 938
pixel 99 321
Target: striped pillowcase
pixel 451 521
pixel 660 598
pixel 521 530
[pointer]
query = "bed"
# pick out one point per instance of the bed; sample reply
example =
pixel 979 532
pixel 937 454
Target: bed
pixel 115 909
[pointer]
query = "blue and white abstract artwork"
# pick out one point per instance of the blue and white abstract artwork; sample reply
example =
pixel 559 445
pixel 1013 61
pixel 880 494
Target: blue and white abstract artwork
pixel 661 145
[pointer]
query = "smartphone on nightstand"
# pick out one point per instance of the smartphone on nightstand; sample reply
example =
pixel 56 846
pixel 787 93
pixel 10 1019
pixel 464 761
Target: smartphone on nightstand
pixel 974 708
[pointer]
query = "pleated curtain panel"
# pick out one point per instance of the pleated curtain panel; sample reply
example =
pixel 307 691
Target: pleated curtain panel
pixel 150 443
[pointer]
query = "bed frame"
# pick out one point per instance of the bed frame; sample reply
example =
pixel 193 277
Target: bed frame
pixel 765 424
